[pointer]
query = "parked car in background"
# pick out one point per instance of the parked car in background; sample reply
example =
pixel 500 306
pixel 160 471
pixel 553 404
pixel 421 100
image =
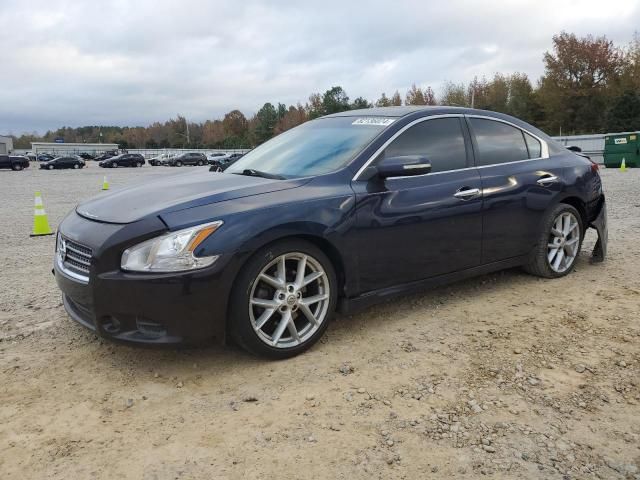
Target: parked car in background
pixel 222 165
pixel 86 156
pixel 70 161
pixel 192 158
pixel 14 162
pixel 339 212
pixel 212 158
pixel 106 155
pixel 45 157
pixel 124 160
pixel 31 156
pixel 160 159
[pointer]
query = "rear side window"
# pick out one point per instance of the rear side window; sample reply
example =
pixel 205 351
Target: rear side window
pixel 534 146
pixel 440 141
pixel 498 142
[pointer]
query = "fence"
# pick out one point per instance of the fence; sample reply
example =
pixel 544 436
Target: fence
pixel 592 145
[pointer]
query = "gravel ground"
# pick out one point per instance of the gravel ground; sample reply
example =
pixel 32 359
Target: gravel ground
pixel 505 375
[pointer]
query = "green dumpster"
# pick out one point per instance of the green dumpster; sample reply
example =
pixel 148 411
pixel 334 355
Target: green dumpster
pixel 619 146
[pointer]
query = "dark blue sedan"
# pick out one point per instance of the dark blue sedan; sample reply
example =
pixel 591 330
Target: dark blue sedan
pixel 338 213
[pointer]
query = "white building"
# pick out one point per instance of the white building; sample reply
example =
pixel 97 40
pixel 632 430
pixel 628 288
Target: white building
pixel 71 148
pixel 6 145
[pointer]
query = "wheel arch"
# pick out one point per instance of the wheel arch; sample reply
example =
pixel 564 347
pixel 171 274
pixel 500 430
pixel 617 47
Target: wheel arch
pixel 309 232
pixel 579 205
pixel 272 237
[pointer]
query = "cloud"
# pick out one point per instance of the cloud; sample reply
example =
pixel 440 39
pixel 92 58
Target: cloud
pixel 131 63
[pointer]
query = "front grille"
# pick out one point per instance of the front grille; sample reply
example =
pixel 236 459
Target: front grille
pixel 75 257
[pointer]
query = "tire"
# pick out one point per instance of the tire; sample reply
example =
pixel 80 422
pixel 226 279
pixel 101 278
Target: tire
pixel 76 166
pixel 139 164
pixel 50 167
pixel 244 314
pixel 178 164
pixel 542 260
pixel 200 163
pixel 16 167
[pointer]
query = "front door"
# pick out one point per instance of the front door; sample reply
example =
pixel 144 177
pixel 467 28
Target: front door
pixel 412 228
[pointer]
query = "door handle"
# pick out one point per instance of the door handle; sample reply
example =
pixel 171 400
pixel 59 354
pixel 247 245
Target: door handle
pixel 466 193
pixel 547 180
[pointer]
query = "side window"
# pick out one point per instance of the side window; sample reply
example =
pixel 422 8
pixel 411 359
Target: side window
pixel 440 140
pixel 534 146
pixel 498 142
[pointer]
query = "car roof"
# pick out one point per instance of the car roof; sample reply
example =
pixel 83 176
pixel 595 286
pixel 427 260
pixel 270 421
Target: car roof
pixel 401 111
pixel 427 110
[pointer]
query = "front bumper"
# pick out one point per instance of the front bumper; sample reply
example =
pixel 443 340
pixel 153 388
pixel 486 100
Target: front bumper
pixel 188 307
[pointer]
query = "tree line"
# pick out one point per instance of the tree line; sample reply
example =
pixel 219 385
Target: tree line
pixel 589 85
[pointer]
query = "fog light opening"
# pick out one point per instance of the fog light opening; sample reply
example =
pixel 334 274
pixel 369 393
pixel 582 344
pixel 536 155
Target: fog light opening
pixel 150 328
pixel 111 325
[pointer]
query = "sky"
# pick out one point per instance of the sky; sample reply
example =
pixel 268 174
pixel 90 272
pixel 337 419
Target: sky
pixel 120 62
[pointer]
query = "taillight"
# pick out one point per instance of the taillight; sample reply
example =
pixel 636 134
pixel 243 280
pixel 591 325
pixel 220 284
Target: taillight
pixel 595 167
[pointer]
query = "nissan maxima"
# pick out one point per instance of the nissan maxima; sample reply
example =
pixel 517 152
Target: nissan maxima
pixel 336 214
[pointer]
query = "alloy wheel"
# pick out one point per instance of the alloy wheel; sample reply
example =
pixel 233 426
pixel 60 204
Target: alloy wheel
pixel 564 241
pixel 289 300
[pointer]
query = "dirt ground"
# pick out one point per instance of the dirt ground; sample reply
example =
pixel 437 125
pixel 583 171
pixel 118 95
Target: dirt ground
pixel 502 376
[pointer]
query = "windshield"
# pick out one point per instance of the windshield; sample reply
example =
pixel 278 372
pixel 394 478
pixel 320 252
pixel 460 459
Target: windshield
pixel 316 147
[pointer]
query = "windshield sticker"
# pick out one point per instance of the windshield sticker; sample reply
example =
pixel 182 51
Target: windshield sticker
pixel 377 121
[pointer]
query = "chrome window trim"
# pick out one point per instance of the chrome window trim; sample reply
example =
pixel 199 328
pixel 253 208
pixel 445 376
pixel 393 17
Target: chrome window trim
pixel 544 147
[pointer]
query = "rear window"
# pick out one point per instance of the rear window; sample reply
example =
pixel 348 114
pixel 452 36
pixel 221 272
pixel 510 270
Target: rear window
pixel 498 142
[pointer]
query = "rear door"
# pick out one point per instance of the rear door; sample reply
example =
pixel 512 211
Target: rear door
pixel 519 184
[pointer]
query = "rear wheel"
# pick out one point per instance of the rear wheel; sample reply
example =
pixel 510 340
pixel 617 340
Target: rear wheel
pixel 16 166
pixel 200 163
pixel 559 244
pixel 139 164
pixel 178 164
pixel 283 299
pixel 76 166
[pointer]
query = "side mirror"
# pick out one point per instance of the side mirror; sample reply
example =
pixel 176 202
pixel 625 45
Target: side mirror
pixel 403 166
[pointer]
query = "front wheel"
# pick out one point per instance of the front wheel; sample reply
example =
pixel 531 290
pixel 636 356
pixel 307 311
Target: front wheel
pixel 139 164
pixel 76 166
pixel 178 164
pixel 283 299
pixel 17 167
pixel 50 167
pixel 559 243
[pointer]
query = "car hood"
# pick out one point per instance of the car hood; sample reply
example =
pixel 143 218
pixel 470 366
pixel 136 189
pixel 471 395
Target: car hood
pixel 174 193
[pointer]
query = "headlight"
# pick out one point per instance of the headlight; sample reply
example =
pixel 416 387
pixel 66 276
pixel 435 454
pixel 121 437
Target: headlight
pixel 172 252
